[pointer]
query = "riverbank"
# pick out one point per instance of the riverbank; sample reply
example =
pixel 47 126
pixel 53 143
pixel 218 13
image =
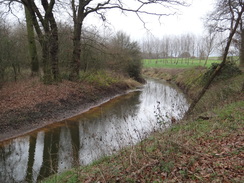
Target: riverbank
pixel 221 91
pixel 29 104
pixel 208 147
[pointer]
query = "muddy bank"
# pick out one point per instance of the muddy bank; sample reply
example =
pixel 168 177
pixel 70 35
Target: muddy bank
pixel 65 100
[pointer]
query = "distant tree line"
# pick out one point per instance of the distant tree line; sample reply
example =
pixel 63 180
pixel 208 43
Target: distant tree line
pixel 213 41
pixel 187 46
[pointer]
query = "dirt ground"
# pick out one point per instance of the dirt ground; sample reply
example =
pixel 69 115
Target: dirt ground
pixel 28 105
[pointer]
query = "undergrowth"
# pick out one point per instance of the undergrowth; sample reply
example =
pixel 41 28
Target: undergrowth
pixel 100 78
pixel 229 70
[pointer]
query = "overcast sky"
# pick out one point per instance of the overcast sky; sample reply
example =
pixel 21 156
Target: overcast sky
pixel 190 21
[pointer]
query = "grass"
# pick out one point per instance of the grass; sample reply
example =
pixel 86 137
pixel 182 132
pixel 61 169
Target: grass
pixel 177 63
pixel 99 78
pixel 207 148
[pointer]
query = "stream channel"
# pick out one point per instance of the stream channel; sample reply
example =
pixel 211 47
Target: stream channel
pixel 103 130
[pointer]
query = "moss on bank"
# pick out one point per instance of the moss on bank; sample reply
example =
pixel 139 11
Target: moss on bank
pixel 207 148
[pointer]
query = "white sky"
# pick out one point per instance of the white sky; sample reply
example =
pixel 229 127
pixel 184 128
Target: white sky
pixel 190 21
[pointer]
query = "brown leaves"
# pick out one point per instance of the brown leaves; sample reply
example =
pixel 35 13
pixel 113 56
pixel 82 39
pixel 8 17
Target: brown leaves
pixel 31 92
pixel 215 157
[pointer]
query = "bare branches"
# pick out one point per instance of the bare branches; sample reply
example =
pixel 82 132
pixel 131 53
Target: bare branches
pixel 9 7
pixel 225 15
pixel 156 8
pixel 139 6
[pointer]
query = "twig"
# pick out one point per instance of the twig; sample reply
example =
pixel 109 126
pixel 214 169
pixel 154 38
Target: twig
pixel 102 174
pixel 187 149
pixel 145 166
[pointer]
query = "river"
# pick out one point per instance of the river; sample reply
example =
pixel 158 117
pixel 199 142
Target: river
pixel 103 130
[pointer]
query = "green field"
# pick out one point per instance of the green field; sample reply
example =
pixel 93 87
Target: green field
pixel 176 63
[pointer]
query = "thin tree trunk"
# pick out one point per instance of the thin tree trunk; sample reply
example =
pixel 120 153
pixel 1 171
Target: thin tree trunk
pixel 50 155
pixel 206 60
pixel 75 63
pixel 31 44
pixel 54 48
pixel 31 158
pixel 242 49
pixel 47 78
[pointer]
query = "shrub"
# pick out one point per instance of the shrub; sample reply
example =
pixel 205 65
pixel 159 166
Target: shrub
pixel 230 69
pixel 126 56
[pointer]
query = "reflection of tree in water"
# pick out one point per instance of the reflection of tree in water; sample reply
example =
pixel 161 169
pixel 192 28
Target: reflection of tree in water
pixel 13 160
pixel 68 148
pixel 31 159
pixel 75 140
pixel 50 154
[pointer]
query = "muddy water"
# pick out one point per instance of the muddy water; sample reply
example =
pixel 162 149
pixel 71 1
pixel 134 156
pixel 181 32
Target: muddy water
pixel 101 131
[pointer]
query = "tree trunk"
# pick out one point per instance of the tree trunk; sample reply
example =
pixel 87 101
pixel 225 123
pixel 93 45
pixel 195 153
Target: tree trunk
pixel 47 37
pixel 242 49
pixel 54 48
pixel 50 155
pixel 31 44
pixel 206 60
pixel 47 78
pixel 75 63
pixel 31 158
pixel 78 18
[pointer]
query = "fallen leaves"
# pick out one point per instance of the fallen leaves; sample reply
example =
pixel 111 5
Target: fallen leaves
pixel 213 155
pixel 30 92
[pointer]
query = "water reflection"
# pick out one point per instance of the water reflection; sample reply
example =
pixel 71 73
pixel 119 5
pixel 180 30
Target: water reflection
pixel 65 153
pixel 14 160
pixel 80 140
pixel 38 157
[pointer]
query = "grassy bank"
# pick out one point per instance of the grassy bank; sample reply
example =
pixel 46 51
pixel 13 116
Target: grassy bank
pixel 206 148
pixel 191 82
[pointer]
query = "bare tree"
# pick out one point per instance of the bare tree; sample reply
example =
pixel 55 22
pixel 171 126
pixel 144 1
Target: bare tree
pixel 82 8
pixel 43 20
pixel 235 13
pixel 126 55
pixel 209 43
pixel 223 19
pixel 242 48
